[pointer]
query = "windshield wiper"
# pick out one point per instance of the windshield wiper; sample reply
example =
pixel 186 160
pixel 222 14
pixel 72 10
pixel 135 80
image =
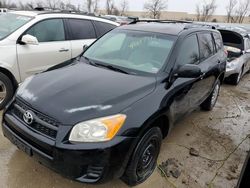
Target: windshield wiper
pixel 90 62
pixel 104 65
pixel 112 68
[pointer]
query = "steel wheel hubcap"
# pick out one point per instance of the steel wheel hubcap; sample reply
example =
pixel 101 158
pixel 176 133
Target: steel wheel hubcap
pixel 146 161
pixel 3 92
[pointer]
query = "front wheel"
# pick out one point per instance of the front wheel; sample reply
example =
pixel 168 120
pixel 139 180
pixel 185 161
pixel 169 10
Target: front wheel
pixel 210 102
pixel 6 90
pixel 144 159
pixel 235 79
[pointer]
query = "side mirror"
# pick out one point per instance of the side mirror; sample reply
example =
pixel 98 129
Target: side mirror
pixel 189 71
pixel 85 47
pixel 29 39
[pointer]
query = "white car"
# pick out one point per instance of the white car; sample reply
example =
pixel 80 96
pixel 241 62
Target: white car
pixel 237 44
pixel 33 41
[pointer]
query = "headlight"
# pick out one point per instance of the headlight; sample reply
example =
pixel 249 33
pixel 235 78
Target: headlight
pixel 97 130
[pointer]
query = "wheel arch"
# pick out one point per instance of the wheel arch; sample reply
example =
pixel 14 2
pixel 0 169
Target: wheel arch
pixel 161 120
pixel 222 77
pixel 10 76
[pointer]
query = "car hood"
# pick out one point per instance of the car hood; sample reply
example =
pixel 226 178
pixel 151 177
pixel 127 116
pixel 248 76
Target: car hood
pixel 81 92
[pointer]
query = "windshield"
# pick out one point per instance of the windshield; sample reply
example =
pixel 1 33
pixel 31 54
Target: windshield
pixel 134 50
pixel 10 22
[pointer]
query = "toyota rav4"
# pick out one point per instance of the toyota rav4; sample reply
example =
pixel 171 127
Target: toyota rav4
pixel 104 115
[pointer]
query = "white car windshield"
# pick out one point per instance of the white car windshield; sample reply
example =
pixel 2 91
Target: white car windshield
pixel 133 50
pixel 10 22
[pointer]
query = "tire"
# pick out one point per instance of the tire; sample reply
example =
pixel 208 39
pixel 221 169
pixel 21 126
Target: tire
pixel 144 158
pixel 235 79
pixel 210 102
pixel 6 90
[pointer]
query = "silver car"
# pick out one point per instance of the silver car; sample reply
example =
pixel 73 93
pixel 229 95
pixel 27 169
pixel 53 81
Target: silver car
pixel 237 44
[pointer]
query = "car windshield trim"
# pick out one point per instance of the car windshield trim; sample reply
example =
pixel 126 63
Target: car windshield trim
pixel 20 16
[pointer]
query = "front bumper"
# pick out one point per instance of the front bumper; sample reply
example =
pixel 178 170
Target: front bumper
pixel 88 163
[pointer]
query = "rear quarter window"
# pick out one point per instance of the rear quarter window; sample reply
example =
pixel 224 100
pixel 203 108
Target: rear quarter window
pixel 218 41
pixel 81 29
pixel 102 28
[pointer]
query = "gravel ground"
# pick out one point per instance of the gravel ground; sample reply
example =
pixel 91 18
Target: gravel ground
pixel 205 149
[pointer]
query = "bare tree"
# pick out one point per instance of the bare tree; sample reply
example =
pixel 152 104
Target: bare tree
pixel 242 11
pixel 7 4
pixel 205 10
pixel 230 10
pixel 198 12
pixel 95 6
pixel 154 7
pixel 124 7
pixel 71 7
pixel 53 4
pixel 110 6
pixel 89 4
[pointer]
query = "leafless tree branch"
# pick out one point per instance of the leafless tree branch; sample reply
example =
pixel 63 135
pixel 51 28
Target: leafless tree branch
pixel 154 7
pixel 205 10
pixel 242 10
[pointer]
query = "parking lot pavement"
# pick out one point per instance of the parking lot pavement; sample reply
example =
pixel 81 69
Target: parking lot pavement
pixel 218 140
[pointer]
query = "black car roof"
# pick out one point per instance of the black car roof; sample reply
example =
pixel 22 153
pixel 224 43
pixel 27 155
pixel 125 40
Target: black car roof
pixel 171 28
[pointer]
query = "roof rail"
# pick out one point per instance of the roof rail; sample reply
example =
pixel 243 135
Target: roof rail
pixel 197 24
pixel 160 21
pixel 190 24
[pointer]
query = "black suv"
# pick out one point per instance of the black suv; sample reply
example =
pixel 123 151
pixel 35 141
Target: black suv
pixel 105 113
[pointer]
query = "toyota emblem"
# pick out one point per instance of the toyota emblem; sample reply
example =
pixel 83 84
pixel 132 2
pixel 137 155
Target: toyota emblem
pixel 28 117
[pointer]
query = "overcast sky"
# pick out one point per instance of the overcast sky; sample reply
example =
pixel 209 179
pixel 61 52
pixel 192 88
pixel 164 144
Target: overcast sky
pixel 173 5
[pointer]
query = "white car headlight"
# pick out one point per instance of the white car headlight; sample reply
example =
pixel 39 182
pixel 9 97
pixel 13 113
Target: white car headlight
pixel 97 130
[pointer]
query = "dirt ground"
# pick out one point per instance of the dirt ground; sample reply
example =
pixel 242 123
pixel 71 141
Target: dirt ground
pixel 219 140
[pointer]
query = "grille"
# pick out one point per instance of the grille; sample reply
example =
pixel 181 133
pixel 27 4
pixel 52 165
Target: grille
pixel 42 124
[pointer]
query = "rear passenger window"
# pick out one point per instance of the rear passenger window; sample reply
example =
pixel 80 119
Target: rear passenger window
pixel 189 52
pixel 206 45
pixel 103 28
pixel 218 41
pixel 81 29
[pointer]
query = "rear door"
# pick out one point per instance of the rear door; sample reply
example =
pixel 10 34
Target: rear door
pixel 209 63
pixel 51 50
pixel 82 33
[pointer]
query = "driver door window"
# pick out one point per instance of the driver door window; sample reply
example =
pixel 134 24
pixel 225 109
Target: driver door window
pixel 189 51
pixel 48 31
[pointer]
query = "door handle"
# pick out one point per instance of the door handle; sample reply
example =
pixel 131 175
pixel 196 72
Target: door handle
pixel 63 50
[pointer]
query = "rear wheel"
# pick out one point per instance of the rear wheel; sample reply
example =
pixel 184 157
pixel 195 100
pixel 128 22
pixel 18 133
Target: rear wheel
pixel 210 102
pixel 144 159
pixel 6 90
